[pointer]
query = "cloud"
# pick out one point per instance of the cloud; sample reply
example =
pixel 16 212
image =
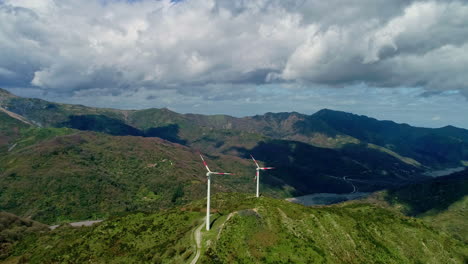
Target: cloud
pixel 423 46
pixel 214 49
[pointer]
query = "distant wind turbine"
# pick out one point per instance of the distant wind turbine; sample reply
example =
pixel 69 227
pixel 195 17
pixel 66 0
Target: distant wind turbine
pixel 208 174
pixel 258 174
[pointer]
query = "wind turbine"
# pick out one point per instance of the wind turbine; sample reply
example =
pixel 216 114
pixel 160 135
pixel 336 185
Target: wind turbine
pixel 258 174
pixel 208 174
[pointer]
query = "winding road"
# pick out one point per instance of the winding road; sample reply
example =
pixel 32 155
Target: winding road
pixel 348 181
pixel 197 236
pixel 78 224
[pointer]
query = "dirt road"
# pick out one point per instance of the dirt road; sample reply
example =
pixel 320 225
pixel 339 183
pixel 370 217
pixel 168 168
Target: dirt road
pixel 197 235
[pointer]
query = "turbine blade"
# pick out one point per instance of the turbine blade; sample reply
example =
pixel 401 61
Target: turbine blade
pixel 204 163
pixel 223 173
pixel 254 161
pixel 268 168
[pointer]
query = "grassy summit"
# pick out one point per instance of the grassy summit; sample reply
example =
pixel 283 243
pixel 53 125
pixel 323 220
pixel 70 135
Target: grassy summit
pixel 250 230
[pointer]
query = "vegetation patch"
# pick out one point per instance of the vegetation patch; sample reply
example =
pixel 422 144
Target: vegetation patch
pixel 14 229
pixel 260 230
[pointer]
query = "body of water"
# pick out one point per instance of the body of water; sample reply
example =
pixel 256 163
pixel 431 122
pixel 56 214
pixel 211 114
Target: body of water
pixel 326 198
pixel 444 172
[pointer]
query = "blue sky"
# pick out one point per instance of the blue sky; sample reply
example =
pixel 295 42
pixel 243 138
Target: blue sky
pixel 399 60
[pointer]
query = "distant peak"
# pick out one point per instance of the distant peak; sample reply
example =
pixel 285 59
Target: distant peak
pixel 165 109
pixel 279 116
pixel 341 115
pixel 5 95
pixel 450 127
pixel 327 111
pixel 5 92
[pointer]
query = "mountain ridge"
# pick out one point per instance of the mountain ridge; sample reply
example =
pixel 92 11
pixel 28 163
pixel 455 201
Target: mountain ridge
pixel 440 147
pixel 311 153
pixel 5 93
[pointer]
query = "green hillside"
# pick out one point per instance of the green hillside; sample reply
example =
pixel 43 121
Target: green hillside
pixel 249 230
pixel 301 164
pixel 9 130
pixel 441 202
pixel 56 175
pixel 54 169
pixel 275 232
pixel 60 174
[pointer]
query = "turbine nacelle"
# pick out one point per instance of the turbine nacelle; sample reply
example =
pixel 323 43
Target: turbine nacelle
pixel 261 168
pixel 257 176
pixel 265 168
pixel 208 175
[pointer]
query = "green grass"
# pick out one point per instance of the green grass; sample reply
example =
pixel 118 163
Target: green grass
pixel 452 220
pixel 260 230
pixel 135 238
pixel 272 231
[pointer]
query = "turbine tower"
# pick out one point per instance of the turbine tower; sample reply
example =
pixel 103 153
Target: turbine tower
pixel 258 174
pixel 208 175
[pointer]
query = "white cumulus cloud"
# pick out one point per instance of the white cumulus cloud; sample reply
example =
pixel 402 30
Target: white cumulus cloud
pixel 203 46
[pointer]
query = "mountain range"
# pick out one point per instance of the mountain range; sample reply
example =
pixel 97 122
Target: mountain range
pixel 87 157
pixel 140 170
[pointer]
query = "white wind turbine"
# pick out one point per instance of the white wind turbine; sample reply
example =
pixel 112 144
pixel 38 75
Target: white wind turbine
pixel 208 174
pixel 258 174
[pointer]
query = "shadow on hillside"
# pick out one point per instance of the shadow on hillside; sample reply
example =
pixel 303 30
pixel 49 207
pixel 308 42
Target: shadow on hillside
pixel 308 169
pixel 116 127
pixel 169 133
pixel 436 194
pixel 313 169
pixel 101 123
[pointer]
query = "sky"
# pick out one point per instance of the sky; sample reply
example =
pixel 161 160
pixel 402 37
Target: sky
pixel 398 60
